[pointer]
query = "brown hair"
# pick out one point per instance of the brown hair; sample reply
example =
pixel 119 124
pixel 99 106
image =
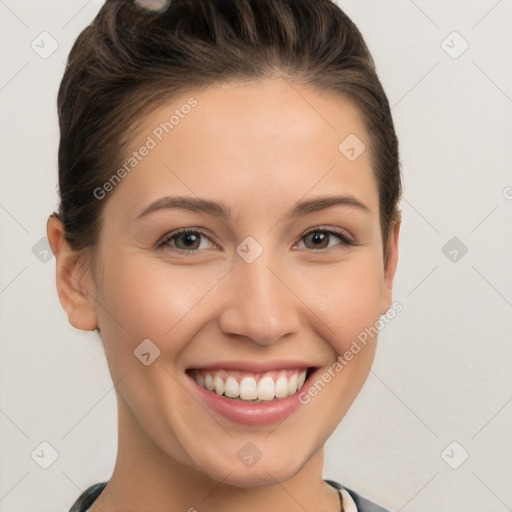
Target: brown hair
pixel 130 60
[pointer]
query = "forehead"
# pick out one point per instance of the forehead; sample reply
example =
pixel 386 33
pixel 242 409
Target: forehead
pixel 269 140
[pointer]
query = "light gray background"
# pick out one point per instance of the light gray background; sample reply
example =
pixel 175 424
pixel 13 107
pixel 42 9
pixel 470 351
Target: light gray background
pixel 443 367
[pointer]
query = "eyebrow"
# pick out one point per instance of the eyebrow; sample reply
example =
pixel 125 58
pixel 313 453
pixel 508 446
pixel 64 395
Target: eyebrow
pixel 220 211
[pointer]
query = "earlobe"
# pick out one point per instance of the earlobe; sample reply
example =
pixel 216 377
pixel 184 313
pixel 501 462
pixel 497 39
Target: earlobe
pixel 75 290
pixel 391 266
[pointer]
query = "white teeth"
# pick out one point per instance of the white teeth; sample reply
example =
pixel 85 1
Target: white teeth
pixel 248 389
pixel 208 382
pixel 281 387
pixel 276 384
pixel 266 388
pixel 232 389
pixel 301 379
pixel 219 384
pixel 292 384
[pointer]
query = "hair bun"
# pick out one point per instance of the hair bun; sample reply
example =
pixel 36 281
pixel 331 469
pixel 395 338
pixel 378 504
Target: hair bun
pixel 152 6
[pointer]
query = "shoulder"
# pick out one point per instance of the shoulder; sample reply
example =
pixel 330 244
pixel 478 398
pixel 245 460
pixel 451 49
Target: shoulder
pixel 87 498
pixel 362 503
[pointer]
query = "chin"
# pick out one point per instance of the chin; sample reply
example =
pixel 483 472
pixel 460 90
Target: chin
pixel 267 471
pixel 253 477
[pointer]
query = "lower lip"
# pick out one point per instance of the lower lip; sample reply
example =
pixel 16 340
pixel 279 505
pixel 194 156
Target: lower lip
pixel 249 413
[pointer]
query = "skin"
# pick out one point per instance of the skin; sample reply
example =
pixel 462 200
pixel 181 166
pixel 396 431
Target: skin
pixel 259 148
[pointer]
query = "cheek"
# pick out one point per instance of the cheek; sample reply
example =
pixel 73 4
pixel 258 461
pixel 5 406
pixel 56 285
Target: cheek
pixel 349 299
pixel 145 298
pixel 350 305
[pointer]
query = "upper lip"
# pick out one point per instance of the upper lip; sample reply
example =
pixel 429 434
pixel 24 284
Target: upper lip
pixel 254 367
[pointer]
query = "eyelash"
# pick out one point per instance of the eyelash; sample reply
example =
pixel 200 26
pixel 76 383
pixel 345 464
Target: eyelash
pixel 164 243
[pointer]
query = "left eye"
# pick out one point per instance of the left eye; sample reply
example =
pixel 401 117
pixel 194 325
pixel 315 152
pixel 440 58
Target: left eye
pixel 190 239
pixel 319 236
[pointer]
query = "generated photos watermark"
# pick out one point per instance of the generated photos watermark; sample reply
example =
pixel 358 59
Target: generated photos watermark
pixel 343 360
pixel 152 141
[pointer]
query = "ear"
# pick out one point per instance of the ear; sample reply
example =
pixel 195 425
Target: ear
pixel 75 288
pixel 390 268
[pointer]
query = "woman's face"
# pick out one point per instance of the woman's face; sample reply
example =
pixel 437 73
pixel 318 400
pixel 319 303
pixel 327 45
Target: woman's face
pixel 270 288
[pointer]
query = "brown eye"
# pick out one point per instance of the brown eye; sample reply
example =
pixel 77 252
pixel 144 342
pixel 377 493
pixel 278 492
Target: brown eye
pixel 320 238
pixel 185 240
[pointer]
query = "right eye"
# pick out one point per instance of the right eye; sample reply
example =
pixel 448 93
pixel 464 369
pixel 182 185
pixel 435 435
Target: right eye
pixel 189 239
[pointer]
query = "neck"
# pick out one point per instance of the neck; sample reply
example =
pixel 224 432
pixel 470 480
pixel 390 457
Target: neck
pixel 147 479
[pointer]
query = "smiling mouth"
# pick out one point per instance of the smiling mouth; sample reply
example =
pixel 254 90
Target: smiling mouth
pixel 252 387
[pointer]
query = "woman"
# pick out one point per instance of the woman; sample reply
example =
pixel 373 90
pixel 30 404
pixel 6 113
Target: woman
pixel 228 222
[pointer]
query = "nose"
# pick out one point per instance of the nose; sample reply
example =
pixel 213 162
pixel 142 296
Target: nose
pixel 260 303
